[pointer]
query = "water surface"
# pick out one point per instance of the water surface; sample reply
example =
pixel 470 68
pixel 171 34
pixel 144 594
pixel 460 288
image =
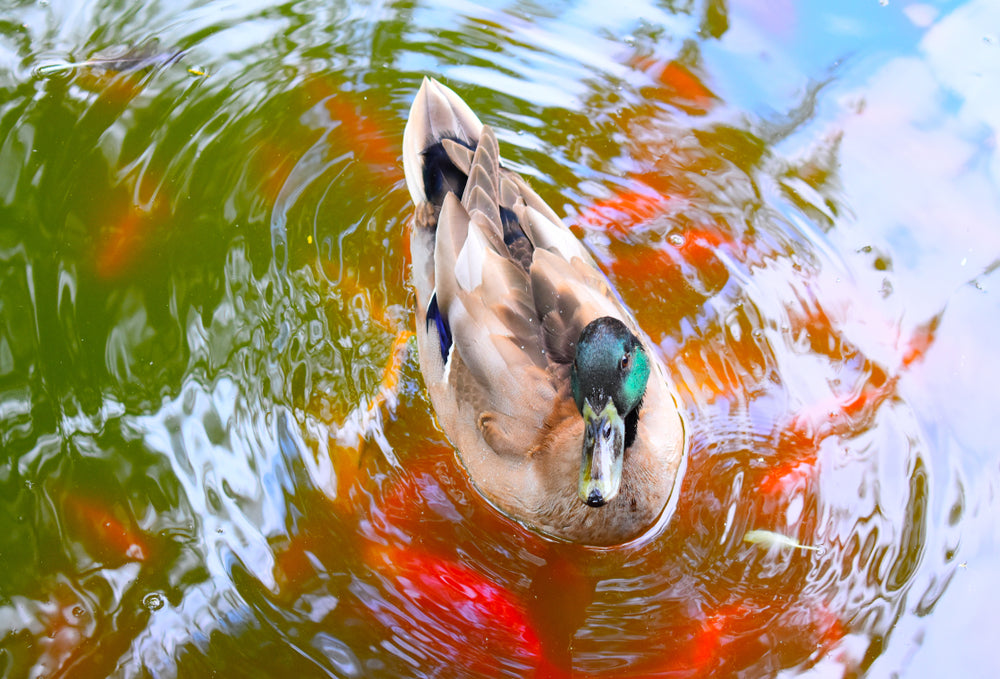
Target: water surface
pixel 216 454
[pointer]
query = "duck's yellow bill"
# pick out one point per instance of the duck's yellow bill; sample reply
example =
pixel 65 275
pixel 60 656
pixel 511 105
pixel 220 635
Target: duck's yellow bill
pixel 603 452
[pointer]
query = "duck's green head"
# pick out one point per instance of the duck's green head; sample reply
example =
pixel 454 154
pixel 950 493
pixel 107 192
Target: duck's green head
pixel 608 379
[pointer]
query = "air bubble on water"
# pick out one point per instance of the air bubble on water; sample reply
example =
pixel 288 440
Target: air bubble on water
pixel 153 601
pixel 676 239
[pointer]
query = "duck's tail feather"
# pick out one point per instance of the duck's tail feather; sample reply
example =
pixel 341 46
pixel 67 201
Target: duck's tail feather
pixel 438 143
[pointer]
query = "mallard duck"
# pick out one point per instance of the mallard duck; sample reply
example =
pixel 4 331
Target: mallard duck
pixel 554 398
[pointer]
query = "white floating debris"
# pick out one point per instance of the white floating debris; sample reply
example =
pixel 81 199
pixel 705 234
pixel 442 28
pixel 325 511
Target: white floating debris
pixel 772 539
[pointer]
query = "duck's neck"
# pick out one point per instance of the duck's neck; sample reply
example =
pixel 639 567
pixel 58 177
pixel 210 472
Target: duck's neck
pixel 632 426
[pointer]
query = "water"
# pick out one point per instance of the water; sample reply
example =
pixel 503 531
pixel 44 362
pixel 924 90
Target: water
pixel 207 467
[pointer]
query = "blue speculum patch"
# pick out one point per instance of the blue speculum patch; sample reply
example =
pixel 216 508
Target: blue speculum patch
pixel 441 323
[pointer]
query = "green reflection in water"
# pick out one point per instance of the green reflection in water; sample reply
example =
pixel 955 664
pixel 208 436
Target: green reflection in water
pixel 202 273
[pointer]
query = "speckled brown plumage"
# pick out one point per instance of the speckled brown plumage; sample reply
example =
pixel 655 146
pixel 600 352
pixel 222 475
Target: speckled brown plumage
pixel 494 266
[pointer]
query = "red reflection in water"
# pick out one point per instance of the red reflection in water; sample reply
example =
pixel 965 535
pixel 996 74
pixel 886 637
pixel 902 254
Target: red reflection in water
pixel 676 84
pixel 781 480
pixel 450 602
pixel 361 128
pixel 916 347
pixel 103 532
pixel 130 231
pixel 369 142
pixel 126 239
pixel 622 211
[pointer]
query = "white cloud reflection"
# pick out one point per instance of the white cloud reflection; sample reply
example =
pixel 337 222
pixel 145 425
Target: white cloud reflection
pixel 920 163
pixel 921 14
pixel 921 174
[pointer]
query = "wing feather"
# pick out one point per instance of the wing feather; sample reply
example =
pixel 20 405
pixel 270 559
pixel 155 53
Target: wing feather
pixel 452 232
pixel 566 301
pixel 459 154
pixel 480 198
pixel 553 236
pixel 437 113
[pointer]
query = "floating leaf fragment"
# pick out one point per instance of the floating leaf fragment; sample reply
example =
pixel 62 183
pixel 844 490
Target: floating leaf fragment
pixel 772 539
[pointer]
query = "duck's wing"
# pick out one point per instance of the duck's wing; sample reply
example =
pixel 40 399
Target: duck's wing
pixel 483 294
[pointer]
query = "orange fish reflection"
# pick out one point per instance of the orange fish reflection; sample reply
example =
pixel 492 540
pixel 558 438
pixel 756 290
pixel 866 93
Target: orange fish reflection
pixel 918 344
pixel 460 616
pixel 125 240
pixel 104 532
pixel 781 481
pixel 130 231
pixel 360 129
pixel 675 84
pixel 367 137
pixel 733 637
pixel 681 271
pixel 619 213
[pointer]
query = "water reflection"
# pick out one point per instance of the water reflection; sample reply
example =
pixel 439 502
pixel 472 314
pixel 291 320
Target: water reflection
pixel 206 465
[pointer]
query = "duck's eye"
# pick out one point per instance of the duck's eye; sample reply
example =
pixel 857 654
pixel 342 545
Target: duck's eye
pixel 607 430
pixel 625 360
